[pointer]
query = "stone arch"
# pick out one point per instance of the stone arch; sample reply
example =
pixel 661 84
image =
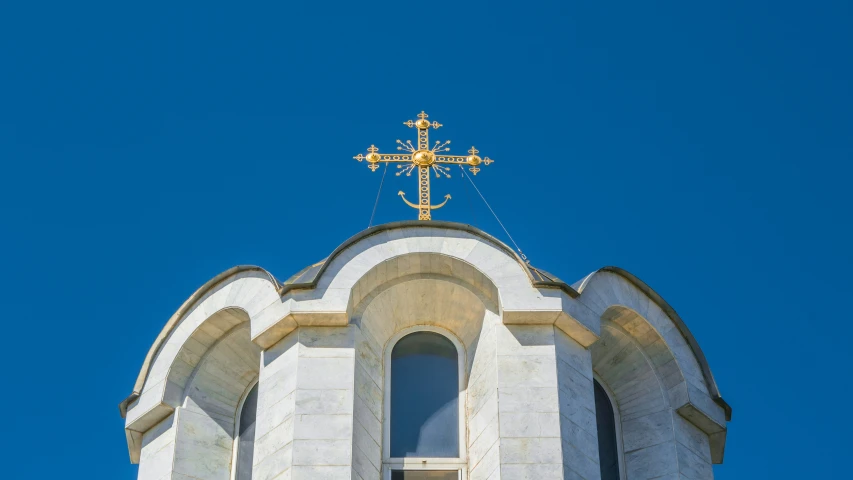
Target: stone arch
pixel 656 439
pixel 204 386
pixel 434 289
pixel 223 374
pixel 228 289
pixel 621 364
pixel 404 292
pixel 231 299
pixel 606 289
pixel 328 298
pixel 669 417
pixel 641 400
pixel 206 418
pixel 649 343
pixel 203 348
pixel 422 265
pixel 615 286
pixel 309 277
pixel 529 339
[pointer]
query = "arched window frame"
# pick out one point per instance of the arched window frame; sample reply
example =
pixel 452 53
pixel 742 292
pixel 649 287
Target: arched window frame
pixel 459 463
pixel 620 451
pixel 236 436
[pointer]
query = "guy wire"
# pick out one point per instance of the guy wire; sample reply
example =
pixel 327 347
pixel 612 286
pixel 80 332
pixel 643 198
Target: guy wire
pixel 523 256
pixel 370 224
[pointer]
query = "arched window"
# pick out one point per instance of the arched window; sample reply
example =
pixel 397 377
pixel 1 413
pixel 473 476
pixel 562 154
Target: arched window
pixel 608 441
pixel 423 408
pixel 244 444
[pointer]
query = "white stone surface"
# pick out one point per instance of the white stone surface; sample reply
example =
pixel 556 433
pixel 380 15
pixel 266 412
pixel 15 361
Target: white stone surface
pixel 666 354
pixel 322 441
pixel 158 451
pixel 235 300
pixel 273 456
pixel 529 421
pixel 656 439
pixel 392 255
pixel 482 403
pixel 203 446
pixel 577 408
pixel 529 359
pixel 306 397
pixel 211 373
pixel 367 407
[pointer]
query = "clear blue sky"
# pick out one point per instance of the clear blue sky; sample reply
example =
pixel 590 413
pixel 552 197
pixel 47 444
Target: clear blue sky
pixel 704 147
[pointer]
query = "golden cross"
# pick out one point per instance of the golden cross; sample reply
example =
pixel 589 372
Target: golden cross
pixel 425 158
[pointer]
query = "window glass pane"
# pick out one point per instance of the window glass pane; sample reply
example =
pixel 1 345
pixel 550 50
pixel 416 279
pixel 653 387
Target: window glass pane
pixel 424 475
pixel 246 443
pixel 608 453
pixel 424 397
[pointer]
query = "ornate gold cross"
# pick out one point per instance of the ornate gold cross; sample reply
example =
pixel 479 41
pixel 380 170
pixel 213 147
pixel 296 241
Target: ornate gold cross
pixel 425 158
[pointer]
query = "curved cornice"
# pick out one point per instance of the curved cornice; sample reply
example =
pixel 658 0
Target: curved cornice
pixel 175 319
pixel 310 284
pixel 536 279
pixel 679 323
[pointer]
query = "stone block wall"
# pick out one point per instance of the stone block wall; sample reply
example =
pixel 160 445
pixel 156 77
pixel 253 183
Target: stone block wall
pixel 305 406
pixel 273 456
pixel 482 405
pixel 322 440
pixel 528 403
pixel 367 407
pixel 657 441
pixel 578 431
pixel 158 451
pixel 531 354
pixel 203 446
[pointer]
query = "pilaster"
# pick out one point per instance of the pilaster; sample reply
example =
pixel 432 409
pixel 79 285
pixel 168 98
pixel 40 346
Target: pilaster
pixel 305 406
pixel 484 442
pixel 203 446
pixel 158 451
pixel 528 403
pixel 578 430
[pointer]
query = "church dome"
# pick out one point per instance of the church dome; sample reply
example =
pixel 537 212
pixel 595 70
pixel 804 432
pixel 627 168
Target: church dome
pixel 255 378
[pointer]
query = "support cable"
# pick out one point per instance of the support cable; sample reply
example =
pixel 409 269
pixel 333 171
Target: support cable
pixel 370 224
pixel 523 256
pixel 470 202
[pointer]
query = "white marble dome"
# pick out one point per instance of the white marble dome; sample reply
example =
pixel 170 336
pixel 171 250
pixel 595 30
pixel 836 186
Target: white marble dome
pixel 257 379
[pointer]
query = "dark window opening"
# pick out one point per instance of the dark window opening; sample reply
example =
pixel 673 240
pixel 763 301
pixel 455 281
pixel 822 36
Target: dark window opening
pixel 424 399
pixel 246 439
pixel 608 450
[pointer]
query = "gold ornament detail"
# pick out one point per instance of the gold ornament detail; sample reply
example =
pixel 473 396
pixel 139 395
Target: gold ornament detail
pixel 423 157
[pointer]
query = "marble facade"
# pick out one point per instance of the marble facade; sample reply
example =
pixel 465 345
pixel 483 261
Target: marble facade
pixel 317 347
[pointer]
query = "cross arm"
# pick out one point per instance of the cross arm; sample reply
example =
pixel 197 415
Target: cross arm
pixel 373 158
pixel 394 158
pixel 382 157
pixel 473 160
pixel 457 159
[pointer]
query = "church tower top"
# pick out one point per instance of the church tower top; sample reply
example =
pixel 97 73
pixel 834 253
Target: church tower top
pixel 423 157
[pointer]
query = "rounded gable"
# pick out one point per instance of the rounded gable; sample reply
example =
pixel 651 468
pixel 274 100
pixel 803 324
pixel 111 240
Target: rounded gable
pixel 673 316
pixel 332 271
pixel 308 277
